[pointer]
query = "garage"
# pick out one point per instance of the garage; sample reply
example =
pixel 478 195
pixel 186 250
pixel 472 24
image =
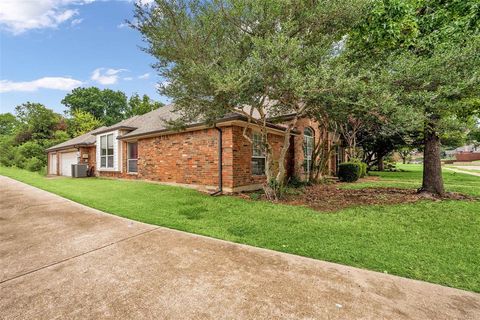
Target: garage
pixel 52 162
pixel 66 161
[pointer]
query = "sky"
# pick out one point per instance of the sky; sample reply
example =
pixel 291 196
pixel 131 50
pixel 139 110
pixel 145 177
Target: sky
pixel 49 47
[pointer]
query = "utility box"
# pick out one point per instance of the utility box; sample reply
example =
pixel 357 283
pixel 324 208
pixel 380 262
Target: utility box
pixel 79 170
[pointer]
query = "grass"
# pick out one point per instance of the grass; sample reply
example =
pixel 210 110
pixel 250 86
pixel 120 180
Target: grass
pixel 464 169
pixel 411 177
pixel 432 241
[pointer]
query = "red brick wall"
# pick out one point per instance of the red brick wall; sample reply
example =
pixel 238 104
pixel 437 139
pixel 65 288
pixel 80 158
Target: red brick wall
pixel 90 152
pixel 192 157
pixel 242 157
pixel 183 158
pixel 467 156
pixel 319 135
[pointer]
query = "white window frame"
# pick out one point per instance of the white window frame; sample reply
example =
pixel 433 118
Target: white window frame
pixel 258 136
pixel 131 159
pixel 106 156
pixel 308 152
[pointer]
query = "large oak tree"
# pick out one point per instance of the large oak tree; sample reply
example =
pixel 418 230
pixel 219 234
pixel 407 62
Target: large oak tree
pixel 430 53
pixel 258 58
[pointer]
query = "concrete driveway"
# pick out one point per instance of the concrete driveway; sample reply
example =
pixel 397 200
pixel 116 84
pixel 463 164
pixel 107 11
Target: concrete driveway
pixel 59 260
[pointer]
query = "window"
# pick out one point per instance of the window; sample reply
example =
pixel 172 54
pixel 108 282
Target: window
pixel 338 157
pixel 106 151
pixel 308 145
pixel 132 156
pixel 258 154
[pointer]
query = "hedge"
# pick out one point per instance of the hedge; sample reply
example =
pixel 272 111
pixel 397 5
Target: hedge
pixel 349 171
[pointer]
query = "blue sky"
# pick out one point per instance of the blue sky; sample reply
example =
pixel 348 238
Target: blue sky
pixel 49 47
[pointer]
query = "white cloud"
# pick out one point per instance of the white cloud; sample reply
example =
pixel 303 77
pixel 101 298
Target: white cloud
pixel 128 78
pixel 18 16
pixel 144 76
pixel 76 21
pixel 55 83
pixel 106 76
pixel 145 2
pixel 122 25
pixel 162 84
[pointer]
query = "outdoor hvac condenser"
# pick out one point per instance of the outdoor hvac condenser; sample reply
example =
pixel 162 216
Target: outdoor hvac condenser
pixel 79 170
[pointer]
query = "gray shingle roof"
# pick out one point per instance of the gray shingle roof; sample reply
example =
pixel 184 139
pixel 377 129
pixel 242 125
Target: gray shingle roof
pixel 151 122
pixel 156 121
pixel 83 140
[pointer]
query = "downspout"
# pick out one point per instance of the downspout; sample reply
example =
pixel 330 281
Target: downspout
pixel 220 165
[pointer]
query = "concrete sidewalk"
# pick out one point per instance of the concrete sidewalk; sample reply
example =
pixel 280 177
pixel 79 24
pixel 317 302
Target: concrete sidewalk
pixel 59 259
pixel 459 170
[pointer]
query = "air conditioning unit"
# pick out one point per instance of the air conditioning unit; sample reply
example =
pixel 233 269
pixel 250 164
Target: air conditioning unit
pixel 79 170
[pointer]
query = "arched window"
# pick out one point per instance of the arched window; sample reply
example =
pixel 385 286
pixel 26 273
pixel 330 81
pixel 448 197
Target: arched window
pixel 308 146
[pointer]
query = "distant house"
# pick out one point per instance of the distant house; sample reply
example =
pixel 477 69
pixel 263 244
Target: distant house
pixel 144 147
pixel 465 153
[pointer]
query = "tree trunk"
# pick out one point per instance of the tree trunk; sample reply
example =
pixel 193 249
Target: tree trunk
pixel 280 179
pixel 404 160
pixel 380 165
pixel 432 166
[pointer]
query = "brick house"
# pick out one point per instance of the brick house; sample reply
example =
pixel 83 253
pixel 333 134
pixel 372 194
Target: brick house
pixel 143 147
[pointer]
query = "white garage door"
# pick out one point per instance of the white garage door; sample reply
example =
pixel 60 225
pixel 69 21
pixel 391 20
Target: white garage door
pixel 66 161
pixel 53 164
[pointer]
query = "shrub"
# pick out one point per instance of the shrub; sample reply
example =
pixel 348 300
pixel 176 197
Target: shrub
pixel 363 167
pixel 295 182
pixel 43 171
pixel 19 160
pixel 273 190
pixel 349 171
pixel 8 150
pixel 255 195
pixel 32 149
pixel 34 164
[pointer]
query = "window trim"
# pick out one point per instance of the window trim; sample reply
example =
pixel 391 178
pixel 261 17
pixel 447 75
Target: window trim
pixel 106 156
pixel 130 159
pixel 308 158
pixel 258 156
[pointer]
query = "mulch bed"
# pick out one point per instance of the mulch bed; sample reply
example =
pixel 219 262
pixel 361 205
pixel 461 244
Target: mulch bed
pixel 329 197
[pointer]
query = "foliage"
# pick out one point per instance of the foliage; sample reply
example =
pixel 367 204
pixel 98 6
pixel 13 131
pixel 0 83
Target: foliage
pixel 34 164
pixel 107 106
pixel 8 124
pixel 362 166
pixel 7 155
pixel 82 122
pixel 31 149
pixel 259 59
pixel 405 153
pixel 36 122
pixel 362 110
pixel 295 182
pixel 349 171
pixel 474 135
pixel 417 43
pixel 363 169
pixel 139 106
pixel 25 136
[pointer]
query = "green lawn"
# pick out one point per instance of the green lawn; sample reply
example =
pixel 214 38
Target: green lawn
pixel 432 241
pixel 411 178
pixel 463 169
